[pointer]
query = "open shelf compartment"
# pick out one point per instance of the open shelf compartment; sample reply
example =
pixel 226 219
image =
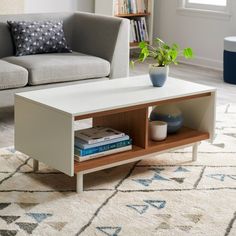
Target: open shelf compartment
pixel 184 137
pixel 135 123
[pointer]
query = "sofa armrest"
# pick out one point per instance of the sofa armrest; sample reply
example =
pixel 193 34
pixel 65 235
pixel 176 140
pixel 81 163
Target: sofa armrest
pixel 105 37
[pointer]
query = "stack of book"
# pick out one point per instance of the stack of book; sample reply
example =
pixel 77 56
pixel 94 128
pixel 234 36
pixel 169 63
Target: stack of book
pixel 99 141
pixel 131 6
pixel 138 30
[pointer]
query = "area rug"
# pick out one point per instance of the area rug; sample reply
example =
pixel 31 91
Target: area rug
pixel 163 195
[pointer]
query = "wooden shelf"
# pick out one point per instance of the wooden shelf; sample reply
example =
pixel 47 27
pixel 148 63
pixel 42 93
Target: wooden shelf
pixel 184 137
pixel 134 15
pixel 135 44
pixel 106 160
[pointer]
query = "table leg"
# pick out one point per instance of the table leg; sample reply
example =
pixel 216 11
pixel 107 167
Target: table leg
pixel 195 151
pixel 79 182
pixel 35 165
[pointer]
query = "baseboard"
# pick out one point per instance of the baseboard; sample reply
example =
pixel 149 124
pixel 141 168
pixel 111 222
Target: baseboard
pixel 204 62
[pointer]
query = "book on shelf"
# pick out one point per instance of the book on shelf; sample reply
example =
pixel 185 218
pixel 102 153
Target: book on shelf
pixel 138 31
pixel 98 134
pixel 134 38
pixel 101 154
pixel 133 6
pixel 83 145
pixel 102 148
pixel 130 6
pixel 144 27
pixel 99 141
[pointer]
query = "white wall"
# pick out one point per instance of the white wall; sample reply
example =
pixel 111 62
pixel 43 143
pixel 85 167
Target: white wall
pixel 11 7
pixel 35 6
pixel 204 34
pixel 86 5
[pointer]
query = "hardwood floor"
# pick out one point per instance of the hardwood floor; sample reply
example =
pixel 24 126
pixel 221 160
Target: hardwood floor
pixel 226 93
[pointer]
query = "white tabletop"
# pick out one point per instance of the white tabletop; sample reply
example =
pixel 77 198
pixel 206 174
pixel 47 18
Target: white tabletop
pixel 101 96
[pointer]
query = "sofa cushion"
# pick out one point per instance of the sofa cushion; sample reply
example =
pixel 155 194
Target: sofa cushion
pixel 61 67
pixel 12 76
pixel 38 37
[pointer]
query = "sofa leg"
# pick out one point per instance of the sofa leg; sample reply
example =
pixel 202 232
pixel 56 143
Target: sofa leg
pixel 79 182
pixel 35 165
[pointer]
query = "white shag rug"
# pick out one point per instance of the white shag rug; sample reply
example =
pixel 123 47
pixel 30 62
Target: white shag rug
pixel 164 195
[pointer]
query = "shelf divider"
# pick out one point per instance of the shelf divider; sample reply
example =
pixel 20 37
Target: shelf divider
pixel 134 123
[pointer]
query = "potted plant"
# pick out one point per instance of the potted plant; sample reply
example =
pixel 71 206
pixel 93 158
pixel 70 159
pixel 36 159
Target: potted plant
pixel 164 55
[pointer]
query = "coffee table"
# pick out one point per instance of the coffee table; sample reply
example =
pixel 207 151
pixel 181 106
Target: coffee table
pixel 45 120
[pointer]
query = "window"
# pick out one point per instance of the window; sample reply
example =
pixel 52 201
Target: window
pixel 213 5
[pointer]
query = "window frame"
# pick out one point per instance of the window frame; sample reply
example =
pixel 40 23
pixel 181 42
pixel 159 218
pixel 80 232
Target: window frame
pixel 207 7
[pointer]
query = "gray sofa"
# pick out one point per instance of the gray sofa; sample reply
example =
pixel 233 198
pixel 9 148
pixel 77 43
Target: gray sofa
pixel 100 47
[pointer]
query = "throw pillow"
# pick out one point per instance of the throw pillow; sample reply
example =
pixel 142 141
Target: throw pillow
pixel 38 37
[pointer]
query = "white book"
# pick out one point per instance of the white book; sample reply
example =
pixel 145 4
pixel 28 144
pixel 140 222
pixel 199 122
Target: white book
pixel 133 6
pixel 139 6
pixel 143 6
pixel 133 31
pixel 125 8
pixel 98 134
pixel 145 28
pixel 140 30
pixel 120 6
pixel 146 6
pixel 101 154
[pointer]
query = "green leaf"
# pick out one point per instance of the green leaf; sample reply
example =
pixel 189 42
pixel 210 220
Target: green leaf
pixel 175 46
pixel 165 46
pixel 188 53
pixel 143 44
pixel 162 53
pixel 174 54
pixel 141 56
pixel 158 40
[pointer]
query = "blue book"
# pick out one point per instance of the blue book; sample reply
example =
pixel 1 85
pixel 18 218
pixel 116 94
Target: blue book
pixel 107 147
pixel 81 144
pixel 129 5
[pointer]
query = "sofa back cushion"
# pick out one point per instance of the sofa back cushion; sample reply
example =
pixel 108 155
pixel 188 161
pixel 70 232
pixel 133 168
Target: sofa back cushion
pixel 6 42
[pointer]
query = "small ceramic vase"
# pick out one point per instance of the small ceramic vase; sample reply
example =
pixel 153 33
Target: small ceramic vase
pixel 158 75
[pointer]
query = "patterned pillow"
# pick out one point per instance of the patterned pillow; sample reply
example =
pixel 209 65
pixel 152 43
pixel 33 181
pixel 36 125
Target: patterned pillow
pixel 38 37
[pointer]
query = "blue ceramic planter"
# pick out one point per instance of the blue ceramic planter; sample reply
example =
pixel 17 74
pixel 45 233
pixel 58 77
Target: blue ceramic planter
pixel 171 115
pixel 158 75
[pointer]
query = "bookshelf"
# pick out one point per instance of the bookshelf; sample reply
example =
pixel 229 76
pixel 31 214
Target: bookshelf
pixel 112 8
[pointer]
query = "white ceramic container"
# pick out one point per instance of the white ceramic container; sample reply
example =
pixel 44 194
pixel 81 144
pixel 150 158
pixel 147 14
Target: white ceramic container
pixel 158 130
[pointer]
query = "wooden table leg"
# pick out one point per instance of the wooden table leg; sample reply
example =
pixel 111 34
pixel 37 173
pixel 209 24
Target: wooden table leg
pixel 79 182
pixel 195 151
pixel 35 165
